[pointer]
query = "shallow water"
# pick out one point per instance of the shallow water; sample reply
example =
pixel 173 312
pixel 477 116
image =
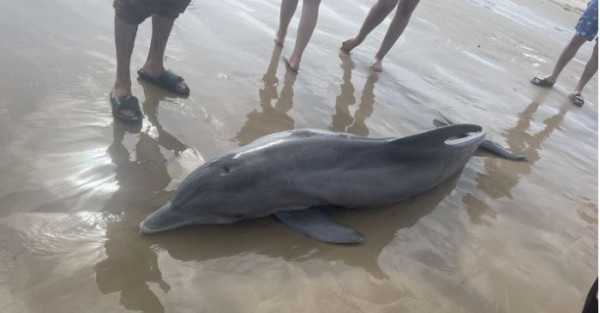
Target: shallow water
pixel 499 237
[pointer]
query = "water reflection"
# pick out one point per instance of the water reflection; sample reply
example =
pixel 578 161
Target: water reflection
pixel 342 120
pixel 520 140
pixel 495 182
pixel 479 212
pixel 272 119
pixel 131 264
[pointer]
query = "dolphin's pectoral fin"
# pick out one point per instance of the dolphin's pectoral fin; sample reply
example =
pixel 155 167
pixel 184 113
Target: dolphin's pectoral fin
pixel 315 224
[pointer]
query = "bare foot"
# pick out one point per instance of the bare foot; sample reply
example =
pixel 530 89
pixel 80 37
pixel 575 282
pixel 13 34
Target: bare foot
pixel 376 65
pixel 279 39
pixel 292 64
pixel 350 44
pixel 155 71
pixel 123 91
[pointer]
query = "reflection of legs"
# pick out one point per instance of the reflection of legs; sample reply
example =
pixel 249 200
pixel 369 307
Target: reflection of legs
pixel 152 98
pixel 568 53
pixel 590 69
pixel 342 118
pixel 161 29
pixel 378 12
pixel 365 109
pixel 130 263
pixel 308 21
pixel 403 13
pixel 285 101
pixel 288 7
pixel 269 92
pixel 124 41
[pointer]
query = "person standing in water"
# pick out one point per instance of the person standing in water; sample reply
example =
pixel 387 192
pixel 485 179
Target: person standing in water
pixel 586 29
pixel 128 15
pixel 308 21
pixel 378 12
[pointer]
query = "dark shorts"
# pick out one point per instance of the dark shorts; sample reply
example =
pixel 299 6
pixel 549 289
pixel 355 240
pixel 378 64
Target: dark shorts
pixel 588 23
pixel 136 11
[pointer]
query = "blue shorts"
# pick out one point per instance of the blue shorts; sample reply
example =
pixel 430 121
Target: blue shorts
pixel 588 23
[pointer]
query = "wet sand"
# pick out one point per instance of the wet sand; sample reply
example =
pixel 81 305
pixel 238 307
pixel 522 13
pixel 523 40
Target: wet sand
pixel 499 237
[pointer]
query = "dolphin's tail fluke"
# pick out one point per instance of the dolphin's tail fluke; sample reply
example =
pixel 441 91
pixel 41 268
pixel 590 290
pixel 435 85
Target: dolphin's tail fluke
pixel 487 144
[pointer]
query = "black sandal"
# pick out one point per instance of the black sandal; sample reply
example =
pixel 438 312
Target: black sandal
pixel 168 80
pixel 126 103
pixel 541 82
pixel 577 99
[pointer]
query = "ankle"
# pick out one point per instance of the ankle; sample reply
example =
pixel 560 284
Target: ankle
pixel 551 78
pixel 294 60
pixel 154 67
pixel 122 89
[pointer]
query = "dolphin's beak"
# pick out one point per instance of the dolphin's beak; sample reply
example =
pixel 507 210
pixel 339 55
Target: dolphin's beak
pixel 163 219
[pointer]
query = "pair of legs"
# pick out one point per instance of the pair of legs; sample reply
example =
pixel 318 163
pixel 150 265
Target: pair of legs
pixel 567 55
pixel 128 14
pixel 308 21
pixel 586 29
pixel 378 12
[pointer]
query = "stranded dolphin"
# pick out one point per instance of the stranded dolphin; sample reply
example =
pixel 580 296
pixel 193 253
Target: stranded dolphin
pixel 292 174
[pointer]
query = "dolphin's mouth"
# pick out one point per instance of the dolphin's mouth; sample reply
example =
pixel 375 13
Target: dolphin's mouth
pixel 162 220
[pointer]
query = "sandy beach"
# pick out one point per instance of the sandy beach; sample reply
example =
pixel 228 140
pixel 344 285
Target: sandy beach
pixel 500 237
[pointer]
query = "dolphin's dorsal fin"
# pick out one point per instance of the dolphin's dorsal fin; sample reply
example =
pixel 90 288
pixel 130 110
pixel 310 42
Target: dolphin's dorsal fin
pixel 315 224
pixel 439 135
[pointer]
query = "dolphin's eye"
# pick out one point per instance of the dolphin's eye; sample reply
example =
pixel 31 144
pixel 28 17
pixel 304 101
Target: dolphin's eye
pixel 238 215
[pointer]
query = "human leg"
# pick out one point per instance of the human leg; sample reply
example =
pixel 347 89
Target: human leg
pixel 590 69
pixel 288 8
pixel 567 55
pixel 308 21
pixel 397 26
pixel 154 69
pixel 378 12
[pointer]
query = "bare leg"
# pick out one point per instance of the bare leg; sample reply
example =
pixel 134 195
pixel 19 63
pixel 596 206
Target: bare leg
pixel 308 21
pixel 124 41
pixel 568 53
pixel 378 12
pixel 288 7
pixel 161 29
pixel 590 69
pixel 403 13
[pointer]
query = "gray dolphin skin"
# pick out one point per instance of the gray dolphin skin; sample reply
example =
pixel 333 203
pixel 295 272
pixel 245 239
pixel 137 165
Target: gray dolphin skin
pixel 293 174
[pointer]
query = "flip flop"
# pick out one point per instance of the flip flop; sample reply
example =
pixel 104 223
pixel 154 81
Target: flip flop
pixel 168 80
pixel 127 103
pixel 541 82
pixel 576 99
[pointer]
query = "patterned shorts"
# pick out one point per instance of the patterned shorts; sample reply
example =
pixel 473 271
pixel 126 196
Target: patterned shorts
pixel 588 23
pixel 136 11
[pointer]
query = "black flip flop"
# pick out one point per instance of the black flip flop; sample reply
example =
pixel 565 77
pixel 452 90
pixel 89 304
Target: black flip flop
pixel 541 82
pixel 127 103
pixel 168 80
pixel 577 99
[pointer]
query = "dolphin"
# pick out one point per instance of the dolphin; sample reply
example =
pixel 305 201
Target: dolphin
pixel 294 174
